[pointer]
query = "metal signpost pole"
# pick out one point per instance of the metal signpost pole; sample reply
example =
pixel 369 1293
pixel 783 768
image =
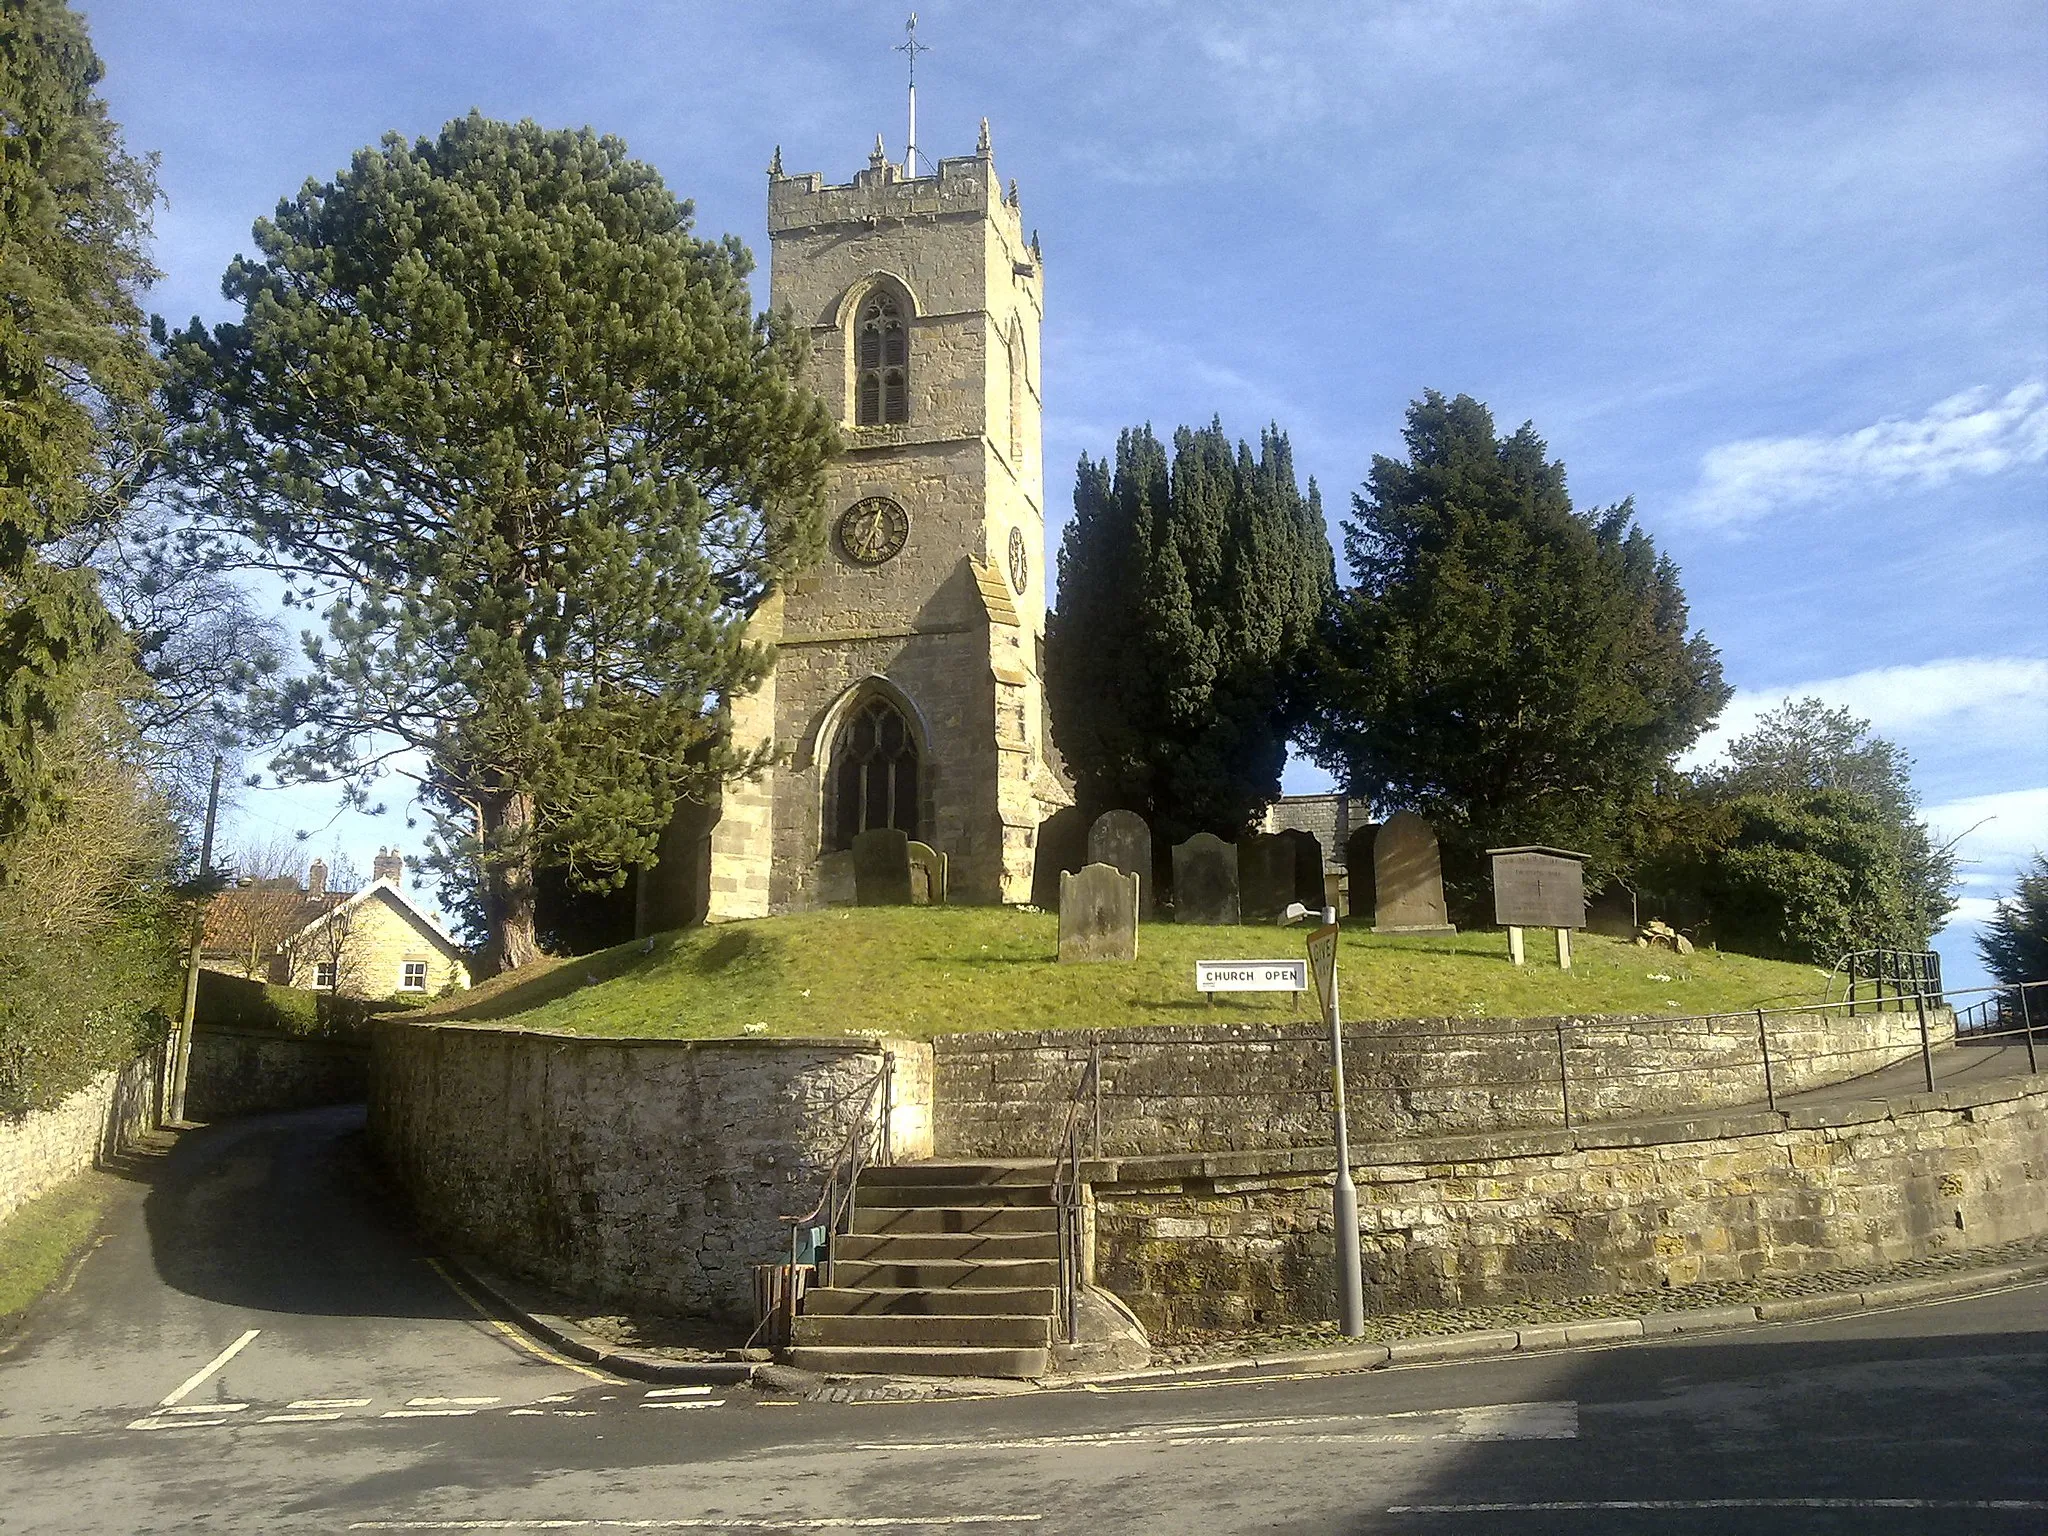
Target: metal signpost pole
pixel 1322 954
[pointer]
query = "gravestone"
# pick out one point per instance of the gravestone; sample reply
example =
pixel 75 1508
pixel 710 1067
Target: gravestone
pixel 1265 877
pixel 881 867
pixel 835 879
pixel 1098 915
pixel 1205 881
pixel 1408 878
pixel 1061 848
pixel 927 876
pixel 1121 840
pixel 1308 867
pixel 1358 872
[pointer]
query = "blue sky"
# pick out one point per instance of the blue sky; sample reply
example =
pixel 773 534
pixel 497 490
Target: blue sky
pixel 1776 270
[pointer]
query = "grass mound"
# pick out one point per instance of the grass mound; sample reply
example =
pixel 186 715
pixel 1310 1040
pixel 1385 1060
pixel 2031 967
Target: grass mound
pixel 932 971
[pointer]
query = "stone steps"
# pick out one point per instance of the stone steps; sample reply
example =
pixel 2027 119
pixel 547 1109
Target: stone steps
pixel 950 1269
pixel 981 1219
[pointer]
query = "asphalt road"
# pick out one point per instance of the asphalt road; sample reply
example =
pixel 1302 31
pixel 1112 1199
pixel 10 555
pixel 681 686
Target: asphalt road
pixel 364 1393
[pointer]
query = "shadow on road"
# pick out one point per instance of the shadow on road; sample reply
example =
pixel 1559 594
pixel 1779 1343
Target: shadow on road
pixel 1767 1433
pixel 283 1213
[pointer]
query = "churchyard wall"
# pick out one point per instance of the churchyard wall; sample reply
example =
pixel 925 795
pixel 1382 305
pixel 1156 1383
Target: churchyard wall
pixel 644 1172
pixel 44 1147
pixel 1221 1241
pixel 1233 1087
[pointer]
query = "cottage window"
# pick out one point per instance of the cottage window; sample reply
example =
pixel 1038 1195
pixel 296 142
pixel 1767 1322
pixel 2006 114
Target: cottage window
pixel 413 976
pixel 881 363
pixel 874 774
pixel 323 974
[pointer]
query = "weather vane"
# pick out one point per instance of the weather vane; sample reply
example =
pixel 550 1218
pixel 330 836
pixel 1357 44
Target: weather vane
pixel 911 46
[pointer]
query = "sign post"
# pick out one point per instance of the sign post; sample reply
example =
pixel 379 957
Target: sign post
pixel 1322 960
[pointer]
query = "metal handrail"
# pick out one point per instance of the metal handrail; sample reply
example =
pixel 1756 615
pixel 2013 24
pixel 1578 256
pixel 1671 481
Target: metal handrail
pixel 865 1144
pixel 1066 1187
pixel 1913 974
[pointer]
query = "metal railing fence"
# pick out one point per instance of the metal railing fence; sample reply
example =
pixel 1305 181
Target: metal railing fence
pixel 1067 1187
pixel 1774 1042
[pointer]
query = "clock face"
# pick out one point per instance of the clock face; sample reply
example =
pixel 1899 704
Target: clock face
pixel 872 530
pixel 1020 562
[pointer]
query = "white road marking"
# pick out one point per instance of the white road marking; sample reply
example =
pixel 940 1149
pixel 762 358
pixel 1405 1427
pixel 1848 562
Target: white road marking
pixel 558 1397
pixel 726 1523
pixel 330 1402
pixel 209 1368
pixel 702 1402
pixel 444 1402
pixel 1493 1421
pixel 204 1408
pixel 426 1413
pixel 297 1418
pixel 175 1423
pixel 537 1412
pixel 1594 1506
pixel 680 1392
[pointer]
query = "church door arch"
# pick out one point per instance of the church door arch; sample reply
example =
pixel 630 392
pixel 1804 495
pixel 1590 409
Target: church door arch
pixel 875 776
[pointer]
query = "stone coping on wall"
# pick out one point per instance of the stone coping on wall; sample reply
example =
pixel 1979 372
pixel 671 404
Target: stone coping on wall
pixel 872 1045
pixel 1281 1162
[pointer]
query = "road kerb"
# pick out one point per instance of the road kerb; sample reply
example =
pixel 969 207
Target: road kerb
pixel 1701 1320
pixel 1453 1346
pixel 1795 1309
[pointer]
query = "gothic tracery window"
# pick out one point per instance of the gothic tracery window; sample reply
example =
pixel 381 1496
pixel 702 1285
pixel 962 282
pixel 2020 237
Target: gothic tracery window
pixel 874 774
pixel 881 363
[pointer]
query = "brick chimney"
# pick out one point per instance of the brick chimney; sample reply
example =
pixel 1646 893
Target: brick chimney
pixel 316 878
pixel 387 866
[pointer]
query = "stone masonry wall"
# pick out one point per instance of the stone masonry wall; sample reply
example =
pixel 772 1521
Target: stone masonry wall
pixel 1232 1087
pixel 249 1071
pixel 1194 1243
pixel 645 1172
pixel 44 1147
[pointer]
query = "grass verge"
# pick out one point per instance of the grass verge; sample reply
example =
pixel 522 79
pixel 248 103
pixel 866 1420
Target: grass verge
pixel 39 1241
pixel 930 971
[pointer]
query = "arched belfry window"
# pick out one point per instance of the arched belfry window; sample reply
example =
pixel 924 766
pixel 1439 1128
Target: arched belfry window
pixel 881 362
pixel 874 774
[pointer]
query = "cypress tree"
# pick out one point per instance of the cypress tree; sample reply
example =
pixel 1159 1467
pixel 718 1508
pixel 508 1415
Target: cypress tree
pixel 1189 590
pixel 497 413
pixel 1513 669
pixel 75 372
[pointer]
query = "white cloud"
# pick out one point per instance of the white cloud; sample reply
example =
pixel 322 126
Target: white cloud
pixel 2007 695
pixel 1998 835
pixel 1973 433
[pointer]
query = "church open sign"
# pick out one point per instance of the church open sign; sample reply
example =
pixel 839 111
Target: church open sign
pixel 1251 975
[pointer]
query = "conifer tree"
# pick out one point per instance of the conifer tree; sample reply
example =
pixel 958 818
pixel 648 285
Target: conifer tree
pixel 1188 592
pixel 1510 668
pixel 75 372
pixel 497 413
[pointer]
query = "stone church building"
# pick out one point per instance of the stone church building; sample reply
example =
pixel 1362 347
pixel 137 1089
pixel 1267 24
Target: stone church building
pixel 907 689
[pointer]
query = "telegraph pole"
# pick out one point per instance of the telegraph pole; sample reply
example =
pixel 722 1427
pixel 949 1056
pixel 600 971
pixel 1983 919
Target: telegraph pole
pixel 1322 955
pixel 181 1049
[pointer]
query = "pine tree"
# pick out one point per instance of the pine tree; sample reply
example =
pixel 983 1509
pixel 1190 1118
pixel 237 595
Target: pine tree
pixel 2014 942
pixel 75 372
pixel 1189 590
pixel 497 413
pixel 1510 668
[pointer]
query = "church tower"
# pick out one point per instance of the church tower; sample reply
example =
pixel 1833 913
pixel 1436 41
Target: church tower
pixel 907 688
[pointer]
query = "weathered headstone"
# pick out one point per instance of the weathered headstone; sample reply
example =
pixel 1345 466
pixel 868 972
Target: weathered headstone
pixel 1098 915
pixel 927 876
pixel 881 867
pixel 1265 877
pixel 1205 881
pixel 1308 867
pixel 1121 840
pixel 1358 872
pixel 835 879
pixel 1408 878
pixel 1061 847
